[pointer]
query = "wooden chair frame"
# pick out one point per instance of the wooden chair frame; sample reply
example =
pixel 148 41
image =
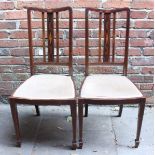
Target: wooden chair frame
pixel 71 102
pixel 106 61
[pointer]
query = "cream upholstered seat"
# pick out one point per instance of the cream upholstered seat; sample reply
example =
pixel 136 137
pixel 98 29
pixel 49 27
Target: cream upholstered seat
pixel 109 87
pixel 46 86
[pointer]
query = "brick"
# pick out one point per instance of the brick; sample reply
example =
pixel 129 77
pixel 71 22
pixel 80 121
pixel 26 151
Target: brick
pixel 79 34
pixel 119 42
pixel 17 43
pixel 142 61
pixel 148 52
pixel 5 69
pixel 147 70
pixel 20 68
pixel 136 78
pixel 148 79
pixel 9 43
pixel 7 25
pixel 22 76
pixel 80 61
pixel 92 42
pixel 6 92
pixel 133 70
pixel 144 24
pixel 79 51
pixel 19 35
pixel 142 5
pixel 15 15
pixel 92 24
pixel 22 4
pixel 4 35
pixel 75 4
pixel 19 52
pixel 147 93
pixel 5 85
pixel 147 86
pixel 12 60
pixel 131 52
pixel 134 33
pixel 79 14
pixel 6 5
pixel 4 52
pixel 57 4
pixel 150 34
pixel 101 70
pixel 138 14
pixel 151 15
pixel 141 42
pixel 35 25
pixel 88 3
pixel 115 4
pixel 8 77
pixel 1 15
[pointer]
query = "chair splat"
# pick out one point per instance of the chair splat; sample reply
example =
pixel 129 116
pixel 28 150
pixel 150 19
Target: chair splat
pixel 106 53
pixel 50 27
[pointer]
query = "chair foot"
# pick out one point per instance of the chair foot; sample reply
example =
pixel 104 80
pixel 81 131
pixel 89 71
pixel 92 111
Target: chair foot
pixel 119 115
pixel 86 110
pixel 37 110
pixel 120 111
pixel 136 143
pixel 74 146
pixel 80 144
pixel 18 143
pixel 86 115
pixel 74 117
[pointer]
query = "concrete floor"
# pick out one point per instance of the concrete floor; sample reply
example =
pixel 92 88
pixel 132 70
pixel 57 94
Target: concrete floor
pixel 50 134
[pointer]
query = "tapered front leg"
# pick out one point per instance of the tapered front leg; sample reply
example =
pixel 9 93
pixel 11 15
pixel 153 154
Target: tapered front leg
pixel 80 110
pixel 14 112
pixel 120 110
pixel 37 110
pixel 139 123
pixel 74 118
pixel 86 110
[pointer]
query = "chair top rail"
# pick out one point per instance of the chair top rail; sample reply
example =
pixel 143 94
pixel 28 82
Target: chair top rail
pixel 48 10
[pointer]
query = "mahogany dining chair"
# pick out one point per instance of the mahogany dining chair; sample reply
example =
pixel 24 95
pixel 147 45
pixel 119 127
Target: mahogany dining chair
pixel 108 88
pixel 41 88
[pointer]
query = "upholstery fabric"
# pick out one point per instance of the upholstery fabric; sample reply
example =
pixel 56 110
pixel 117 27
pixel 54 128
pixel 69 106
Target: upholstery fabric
pixel 46 86
pixel 108 86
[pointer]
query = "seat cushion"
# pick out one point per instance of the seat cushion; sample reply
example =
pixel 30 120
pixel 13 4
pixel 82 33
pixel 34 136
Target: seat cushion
pixel 46 86
pixel 109 87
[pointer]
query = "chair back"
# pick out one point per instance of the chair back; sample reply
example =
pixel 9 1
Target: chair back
pixel 108 36
pixel 50 40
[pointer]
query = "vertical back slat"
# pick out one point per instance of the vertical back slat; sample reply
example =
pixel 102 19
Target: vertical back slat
pixel 30 42
pixel 86 41
pixel 126 43
pixel 113 41
pixel 100 35
pixel 106 54
pixel 57 37
pixel 43 35
pixel 70 41
pixel 50 37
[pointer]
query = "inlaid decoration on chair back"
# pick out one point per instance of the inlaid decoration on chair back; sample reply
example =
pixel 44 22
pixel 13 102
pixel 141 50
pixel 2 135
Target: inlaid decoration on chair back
pixel 50 37
pixel 110 31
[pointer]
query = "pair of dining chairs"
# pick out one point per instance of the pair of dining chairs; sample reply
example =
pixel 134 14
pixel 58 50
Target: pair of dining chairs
pixel 57 89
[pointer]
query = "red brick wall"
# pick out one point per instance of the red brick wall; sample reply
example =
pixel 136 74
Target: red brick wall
pixel 14 67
